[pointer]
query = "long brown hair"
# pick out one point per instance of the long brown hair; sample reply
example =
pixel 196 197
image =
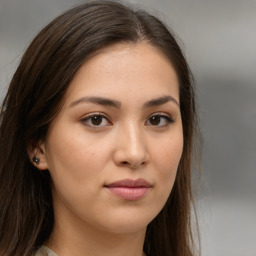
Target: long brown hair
pixel 34 99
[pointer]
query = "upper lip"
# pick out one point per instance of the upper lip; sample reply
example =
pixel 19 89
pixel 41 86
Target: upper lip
pixel 130 183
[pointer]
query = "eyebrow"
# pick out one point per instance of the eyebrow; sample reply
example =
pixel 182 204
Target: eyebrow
pixel 160 101
pixel 117 104
pixel 97 100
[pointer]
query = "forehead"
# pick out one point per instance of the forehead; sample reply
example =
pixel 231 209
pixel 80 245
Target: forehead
pixel 137 68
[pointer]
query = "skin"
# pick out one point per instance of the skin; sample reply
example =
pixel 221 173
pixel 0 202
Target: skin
pixel 83 155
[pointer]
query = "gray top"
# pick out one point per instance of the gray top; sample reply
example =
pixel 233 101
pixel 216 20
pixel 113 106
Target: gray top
pixel 45 251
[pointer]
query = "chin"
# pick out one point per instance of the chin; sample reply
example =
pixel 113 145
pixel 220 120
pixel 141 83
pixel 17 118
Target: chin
pixel 128 223
pixel 127 228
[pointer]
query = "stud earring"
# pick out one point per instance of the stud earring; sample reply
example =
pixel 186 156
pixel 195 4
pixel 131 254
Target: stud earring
pixel 36 160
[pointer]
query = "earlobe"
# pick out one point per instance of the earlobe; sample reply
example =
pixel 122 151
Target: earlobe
pixel 36 160
pixel 37 156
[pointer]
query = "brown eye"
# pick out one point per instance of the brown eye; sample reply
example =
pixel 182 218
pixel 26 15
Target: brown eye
pixel 155 120
pixel 159 120
pixel 96 120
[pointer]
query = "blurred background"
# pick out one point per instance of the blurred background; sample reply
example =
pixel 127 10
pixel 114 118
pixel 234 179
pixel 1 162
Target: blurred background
pixel 219 41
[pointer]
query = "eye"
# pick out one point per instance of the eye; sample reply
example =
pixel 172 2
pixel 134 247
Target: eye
pixel 159 120
pixel 96 120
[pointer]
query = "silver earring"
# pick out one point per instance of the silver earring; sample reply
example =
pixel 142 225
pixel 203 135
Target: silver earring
pixel 36 160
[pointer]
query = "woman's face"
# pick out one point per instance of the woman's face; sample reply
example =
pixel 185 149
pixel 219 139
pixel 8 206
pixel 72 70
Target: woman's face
pixel 114 148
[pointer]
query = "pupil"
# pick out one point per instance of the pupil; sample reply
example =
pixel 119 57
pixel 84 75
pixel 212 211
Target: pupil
pixel 155 120
pixel 96 120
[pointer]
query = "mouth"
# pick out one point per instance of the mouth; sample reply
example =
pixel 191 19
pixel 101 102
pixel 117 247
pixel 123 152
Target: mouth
pixel 128 189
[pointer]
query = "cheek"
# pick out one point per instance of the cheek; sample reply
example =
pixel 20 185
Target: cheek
pixel 167 158
pixel 169 151
pixel 75 164
pixel 75 151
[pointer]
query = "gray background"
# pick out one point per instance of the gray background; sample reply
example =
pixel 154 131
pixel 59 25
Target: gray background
pixel 219 39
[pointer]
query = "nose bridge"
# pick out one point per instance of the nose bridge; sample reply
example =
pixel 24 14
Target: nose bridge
pixel 131 148
pixel 135 143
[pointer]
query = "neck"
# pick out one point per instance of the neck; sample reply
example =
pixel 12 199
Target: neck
pixel 80 239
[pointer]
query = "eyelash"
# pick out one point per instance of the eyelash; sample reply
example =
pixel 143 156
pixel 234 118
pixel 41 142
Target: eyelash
pixel 89 117
pixel 167 119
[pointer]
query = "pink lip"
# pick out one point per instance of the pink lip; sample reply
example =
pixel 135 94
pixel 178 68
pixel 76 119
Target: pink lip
pixel 129 189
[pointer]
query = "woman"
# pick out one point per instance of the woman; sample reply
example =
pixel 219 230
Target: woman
pixel 96 139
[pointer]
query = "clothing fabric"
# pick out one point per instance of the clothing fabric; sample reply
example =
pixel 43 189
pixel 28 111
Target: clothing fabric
pixel 45 251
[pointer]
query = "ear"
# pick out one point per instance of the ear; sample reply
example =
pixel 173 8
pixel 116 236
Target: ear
pixel 37 155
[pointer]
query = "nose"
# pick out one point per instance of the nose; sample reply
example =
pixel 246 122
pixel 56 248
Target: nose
pixel 131 150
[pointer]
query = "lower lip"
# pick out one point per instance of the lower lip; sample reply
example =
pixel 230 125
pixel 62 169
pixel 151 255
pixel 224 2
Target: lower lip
pixel 128 193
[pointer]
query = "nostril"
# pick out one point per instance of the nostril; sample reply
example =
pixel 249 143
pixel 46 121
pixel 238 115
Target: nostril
pixel 132 165
pixel 125 163
pixel 124 159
